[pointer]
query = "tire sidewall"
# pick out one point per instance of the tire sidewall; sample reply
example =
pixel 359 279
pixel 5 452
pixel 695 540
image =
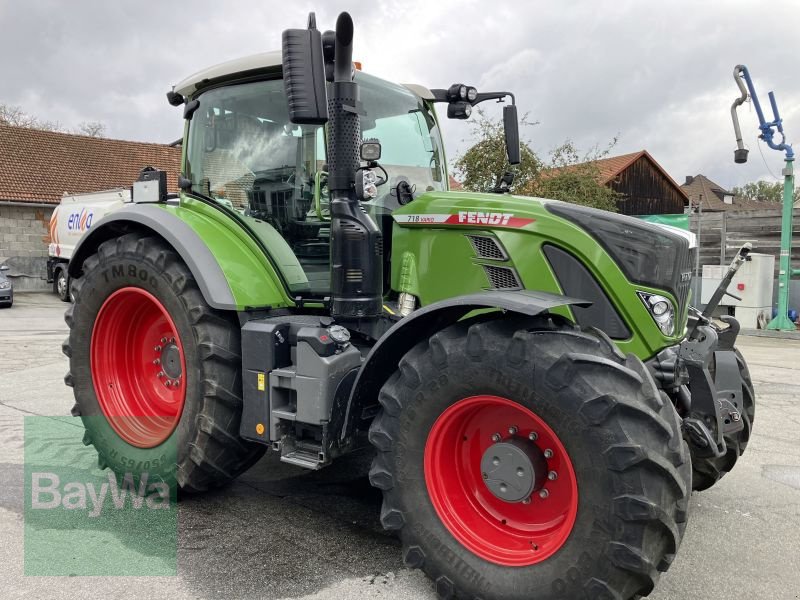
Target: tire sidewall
pixel 582 554
pixel 111 274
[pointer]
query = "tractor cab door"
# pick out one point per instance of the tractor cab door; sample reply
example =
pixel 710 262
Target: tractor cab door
pixel 245 154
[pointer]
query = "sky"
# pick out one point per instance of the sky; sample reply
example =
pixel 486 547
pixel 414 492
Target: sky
pixel 655 75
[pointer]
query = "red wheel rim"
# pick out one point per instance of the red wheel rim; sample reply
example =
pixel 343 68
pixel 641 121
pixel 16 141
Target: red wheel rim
pixel 138 367
pixel 509 534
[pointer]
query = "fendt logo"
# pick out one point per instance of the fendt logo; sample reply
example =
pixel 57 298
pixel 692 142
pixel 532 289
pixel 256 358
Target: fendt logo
pixel 80 221
pixel 465 217
pixel 484 218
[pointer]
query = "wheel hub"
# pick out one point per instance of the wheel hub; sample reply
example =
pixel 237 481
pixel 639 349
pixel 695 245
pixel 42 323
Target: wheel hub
pixel 513 469
pixel 171 360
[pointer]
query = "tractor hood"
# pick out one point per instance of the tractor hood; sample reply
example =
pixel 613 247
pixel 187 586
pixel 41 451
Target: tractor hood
pixel 494 241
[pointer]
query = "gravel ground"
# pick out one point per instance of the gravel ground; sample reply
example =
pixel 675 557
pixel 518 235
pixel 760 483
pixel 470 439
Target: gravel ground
pixel 281 532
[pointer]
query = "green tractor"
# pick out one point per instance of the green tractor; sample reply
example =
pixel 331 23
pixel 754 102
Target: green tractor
pixel 539 395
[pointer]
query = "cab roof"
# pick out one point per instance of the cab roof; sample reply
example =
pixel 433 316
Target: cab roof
pixel 255 64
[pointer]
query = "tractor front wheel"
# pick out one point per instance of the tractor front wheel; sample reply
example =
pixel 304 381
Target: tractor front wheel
pixel 522 458
pixel 156 372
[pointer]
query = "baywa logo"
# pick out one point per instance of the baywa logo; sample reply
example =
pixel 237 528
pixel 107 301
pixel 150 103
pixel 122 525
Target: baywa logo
pixel 85 520
pixel 48 492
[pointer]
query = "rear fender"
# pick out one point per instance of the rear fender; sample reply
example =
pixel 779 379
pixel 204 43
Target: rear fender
pixel 384 357
pixel 246 281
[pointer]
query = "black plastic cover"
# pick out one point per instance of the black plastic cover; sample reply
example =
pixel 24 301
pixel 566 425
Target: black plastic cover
pixel 577 281
pixel 304 76
pixel 319 339
pixel 646 253
pixel 265 346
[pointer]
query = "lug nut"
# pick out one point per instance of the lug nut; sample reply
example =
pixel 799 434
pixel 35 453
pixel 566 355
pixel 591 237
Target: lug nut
pixel 168 383
pixel 548 453
pixel 533 436
pixel 171 340
pixel 163 340
pixel 157 348
pixel 512 430
pixel 157 361
pixel 485 476
pixel 496 437
pixel 552 475
pixel 161 374
pixel 543 494
pixel 527 500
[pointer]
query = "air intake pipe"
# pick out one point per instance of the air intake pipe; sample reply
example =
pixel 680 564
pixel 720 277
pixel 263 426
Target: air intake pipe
pixel 356 241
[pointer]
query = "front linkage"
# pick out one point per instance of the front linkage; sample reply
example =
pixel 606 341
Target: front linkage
pixel 709 383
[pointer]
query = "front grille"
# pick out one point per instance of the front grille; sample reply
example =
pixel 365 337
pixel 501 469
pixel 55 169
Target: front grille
pixel 502 278
pixel 682 288
pixel 486 247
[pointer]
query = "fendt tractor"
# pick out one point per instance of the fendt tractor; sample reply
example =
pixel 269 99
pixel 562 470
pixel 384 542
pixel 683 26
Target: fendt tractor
pixel 540 397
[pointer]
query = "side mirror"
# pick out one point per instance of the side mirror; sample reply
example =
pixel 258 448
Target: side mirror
pixel 304 75
pixel 321 206
pixel 511 126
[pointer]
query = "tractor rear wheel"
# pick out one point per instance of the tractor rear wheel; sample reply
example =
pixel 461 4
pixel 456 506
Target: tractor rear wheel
pixel 523 458
pixel 708 470
pixel 156 373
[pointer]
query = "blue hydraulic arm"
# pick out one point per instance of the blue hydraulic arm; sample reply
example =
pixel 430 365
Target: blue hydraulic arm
pixel 768 130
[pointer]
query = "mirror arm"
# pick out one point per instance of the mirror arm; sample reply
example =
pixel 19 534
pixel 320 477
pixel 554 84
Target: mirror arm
pixel 499 96
pixel 440 95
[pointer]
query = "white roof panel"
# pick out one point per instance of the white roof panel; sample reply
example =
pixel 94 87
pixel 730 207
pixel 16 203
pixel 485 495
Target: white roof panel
pixel 255 62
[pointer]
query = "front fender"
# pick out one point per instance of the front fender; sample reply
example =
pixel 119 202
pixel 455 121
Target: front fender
pixel 384 357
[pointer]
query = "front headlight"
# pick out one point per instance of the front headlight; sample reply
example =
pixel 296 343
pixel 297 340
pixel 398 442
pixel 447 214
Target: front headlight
pixel 4 285
pixel 661 310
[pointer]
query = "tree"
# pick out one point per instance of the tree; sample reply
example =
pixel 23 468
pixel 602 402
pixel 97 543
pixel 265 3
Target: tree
pixel 480 166
pixel 763 191
pixel 92 129
pixel 571 177
pixel 567 176
pixel 16 117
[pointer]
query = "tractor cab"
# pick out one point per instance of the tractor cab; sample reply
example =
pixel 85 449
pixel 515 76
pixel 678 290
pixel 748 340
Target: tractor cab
pixel 244 153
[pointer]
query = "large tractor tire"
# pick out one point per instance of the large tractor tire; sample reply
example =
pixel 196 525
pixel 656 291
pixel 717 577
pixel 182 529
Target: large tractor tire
pixel 522 458
pixel 708 470
pixel 156 373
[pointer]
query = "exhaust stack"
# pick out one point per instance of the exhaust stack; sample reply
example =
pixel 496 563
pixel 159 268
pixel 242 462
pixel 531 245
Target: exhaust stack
pixel 356 241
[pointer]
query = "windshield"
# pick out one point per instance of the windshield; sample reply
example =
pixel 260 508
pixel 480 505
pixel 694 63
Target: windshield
pixel 244 153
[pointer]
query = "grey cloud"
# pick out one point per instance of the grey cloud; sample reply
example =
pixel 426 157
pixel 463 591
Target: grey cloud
pixel 657 74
